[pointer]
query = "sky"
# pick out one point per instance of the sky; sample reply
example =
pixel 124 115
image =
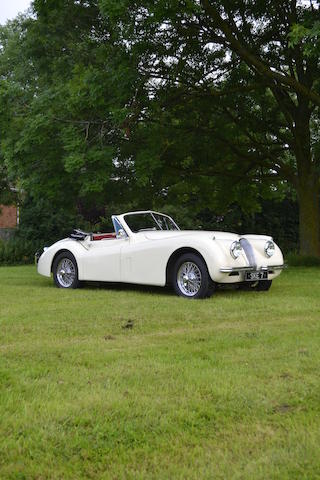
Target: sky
pixel 10 8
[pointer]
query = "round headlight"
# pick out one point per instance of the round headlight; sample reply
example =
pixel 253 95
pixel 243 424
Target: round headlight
pixel 235 249
pixel 269 248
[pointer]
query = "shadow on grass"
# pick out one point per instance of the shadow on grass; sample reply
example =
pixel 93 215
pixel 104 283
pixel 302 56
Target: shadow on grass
pixel 127 287
pixel 115 287
pixel 47 283
pixel 147 289
pixel 130 287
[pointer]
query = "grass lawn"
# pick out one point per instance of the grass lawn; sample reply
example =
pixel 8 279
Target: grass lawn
pixel 224 388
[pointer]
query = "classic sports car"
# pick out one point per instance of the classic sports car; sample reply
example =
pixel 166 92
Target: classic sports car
pixel 149 248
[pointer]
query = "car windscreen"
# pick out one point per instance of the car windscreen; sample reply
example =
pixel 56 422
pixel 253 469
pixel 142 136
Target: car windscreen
pixel 149 221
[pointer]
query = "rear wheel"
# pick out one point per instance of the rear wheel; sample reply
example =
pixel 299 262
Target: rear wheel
pixel 191 278
pixel 65 271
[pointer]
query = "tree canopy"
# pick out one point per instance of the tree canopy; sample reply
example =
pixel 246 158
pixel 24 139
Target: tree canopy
pixel 201 104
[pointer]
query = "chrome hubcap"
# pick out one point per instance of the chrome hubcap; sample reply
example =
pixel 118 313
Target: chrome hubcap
pixel 189 279
pixel 66 272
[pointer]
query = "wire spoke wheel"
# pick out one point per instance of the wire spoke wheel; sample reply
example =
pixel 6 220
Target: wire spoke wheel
pixel 189 279
pixel 66 272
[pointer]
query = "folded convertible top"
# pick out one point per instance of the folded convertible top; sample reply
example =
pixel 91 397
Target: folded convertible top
pixel 79 234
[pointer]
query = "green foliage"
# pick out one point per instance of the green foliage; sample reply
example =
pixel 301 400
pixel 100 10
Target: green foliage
pixel 308 36
pixel 17 251
pixel 151 104
pixel 7 196
pixel 296 260
pixel 44 224
pixel 280 220
pixel 227 102
pixel 60 131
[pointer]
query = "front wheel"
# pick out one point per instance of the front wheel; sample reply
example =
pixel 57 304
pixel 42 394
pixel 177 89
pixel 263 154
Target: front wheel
pixel 65 271
pixel 191 278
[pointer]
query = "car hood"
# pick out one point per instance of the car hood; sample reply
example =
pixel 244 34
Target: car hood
pixel 157 235
pixel 189 233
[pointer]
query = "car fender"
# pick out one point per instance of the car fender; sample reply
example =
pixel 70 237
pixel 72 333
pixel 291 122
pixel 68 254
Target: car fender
pixel 78 250
pixel 148 261
pixel 216 254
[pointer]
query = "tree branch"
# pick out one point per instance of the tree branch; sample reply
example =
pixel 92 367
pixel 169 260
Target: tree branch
pixel 253 60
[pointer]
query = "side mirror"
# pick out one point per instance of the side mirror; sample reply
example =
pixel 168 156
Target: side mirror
pixel 121 233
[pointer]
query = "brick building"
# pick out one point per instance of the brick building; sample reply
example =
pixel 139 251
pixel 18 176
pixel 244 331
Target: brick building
pixel 8 220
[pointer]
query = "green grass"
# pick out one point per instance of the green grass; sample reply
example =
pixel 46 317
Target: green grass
pixel 225 388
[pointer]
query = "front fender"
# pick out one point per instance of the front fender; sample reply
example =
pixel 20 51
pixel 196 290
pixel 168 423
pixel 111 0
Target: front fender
pixel 215 253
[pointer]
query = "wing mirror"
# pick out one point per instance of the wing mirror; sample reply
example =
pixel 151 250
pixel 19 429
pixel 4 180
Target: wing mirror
pixel 121 233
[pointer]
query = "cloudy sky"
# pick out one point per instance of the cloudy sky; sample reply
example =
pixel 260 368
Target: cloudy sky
pixel 10 8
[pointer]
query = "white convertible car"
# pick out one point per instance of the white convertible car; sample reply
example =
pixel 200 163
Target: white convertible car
pixel 148 248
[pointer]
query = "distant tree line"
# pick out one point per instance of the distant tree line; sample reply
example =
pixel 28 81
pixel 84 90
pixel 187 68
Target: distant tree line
pixel 208 110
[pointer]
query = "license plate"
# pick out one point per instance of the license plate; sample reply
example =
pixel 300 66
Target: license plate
pixel 254 276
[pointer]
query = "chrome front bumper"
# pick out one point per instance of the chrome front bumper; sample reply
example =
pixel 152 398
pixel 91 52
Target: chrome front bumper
pixel 251 269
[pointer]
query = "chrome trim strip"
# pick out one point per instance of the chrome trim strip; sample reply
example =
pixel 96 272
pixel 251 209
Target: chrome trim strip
pixel 251 269
pixel 234 269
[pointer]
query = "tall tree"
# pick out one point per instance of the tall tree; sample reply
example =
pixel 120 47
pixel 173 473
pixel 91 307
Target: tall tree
pixel 60 111
pixel 160 101
pixel 239 56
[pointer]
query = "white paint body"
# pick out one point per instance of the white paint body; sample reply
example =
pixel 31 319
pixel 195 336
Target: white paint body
pixel 142 257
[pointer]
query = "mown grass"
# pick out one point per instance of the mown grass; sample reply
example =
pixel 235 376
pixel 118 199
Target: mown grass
pixel 225 388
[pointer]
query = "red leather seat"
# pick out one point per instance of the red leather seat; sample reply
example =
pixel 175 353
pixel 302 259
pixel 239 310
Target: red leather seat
pixel 103 236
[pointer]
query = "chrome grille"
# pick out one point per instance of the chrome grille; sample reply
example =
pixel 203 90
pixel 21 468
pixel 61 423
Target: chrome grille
pixel 248 250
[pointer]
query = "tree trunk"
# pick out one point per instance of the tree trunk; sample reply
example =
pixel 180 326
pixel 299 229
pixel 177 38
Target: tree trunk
pixel 309 215
pixel 308 184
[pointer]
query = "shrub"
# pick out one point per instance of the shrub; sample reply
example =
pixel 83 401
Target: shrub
pixel 43 223
pixel 295 260
pixel 16 251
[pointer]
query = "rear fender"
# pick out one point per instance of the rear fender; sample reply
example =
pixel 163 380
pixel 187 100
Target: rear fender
pixel 75 247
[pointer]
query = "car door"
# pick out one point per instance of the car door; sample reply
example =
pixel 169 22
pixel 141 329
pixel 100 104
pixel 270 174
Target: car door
pixel 102 261
pixel 144 261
